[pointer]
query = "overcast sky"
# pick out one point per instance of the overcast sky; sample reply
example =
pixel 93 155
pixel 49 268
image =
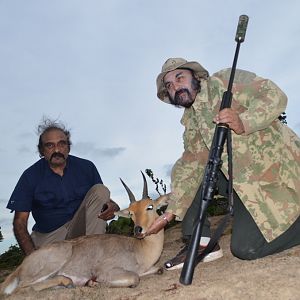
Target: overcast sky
pixel 93 64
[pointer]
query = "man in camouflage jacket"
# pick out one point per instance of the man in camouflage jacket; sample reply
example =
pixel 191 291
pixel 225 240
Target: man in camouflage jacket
pixel 266 155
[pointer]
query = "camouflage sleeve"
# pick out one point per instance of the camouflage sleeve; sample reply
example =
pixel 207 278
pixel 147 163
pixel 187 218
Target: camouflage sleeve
pixel 264 101
pixel 183 187
pixel 187 173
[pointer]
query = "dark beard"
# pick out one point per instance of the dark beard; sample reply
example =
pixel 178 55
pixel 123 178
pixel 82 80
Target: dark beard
pixel 177 101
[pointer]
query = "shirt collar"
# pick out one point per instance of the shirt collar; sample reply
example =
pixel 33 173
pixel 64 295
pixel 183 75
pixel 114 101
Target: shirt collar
pixel 202 96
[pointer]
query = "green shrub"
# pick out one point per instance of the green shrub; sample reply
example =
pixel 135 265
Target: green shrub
pixel 11 258
pixel 217 207
pixel 122 226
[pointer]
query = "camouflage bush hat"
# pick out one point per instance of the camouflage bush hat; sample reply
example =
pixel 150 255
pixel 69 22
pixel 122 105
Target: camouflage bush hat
pixel 173 64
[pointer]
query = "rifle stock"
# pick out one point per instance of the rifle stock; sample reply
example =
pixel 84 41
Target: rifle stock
pixel 208 187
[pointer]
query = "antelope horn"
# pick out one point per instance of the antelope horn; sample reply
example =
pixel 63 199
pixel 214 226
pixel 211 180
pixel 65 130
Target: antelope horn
pixel 129 192
pixel 145 189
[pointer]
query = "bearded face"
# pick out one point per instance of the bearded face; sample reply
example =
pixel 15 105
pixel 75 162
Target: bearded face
pixel 182 97
pixel 182 87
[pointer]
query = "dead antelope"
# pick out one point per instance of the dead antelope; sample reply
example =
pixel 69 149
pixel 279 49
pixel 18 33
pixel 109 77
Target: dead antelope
pixel 117 261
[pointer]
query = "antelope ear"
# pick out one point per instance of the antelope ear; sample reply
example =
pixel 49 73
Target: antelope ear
pixel 162 201
pixel 122 213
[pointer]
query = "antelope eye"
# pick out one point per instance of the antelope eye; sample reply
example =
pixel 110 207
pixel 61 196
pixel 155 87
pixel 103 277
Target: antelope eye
pixel 150 207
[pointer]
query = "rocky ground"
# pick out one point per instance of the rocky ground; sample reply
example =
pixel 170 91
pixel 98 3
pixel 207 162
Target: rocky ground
pixel 273 277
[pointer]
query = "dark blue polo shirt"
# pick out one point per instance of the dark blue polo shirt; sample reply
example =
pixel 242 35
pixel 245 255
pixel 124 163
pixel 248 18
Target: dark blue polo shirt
pixel 53 199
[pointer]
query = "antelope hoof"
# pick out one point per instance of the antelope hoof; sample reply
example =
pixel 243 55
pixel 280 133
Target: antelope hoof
pixel 92 283
pixel 134 285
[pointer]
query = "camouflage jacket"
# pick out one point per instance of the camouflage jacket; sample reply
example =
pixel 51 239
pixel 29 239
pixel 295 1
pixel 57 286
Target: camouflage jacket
pixel 266 170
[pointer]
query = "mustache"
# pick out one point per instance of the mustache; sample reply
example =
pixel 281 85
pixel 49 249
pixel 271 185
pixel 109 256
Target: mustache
pixel 183 90
pixel 57 154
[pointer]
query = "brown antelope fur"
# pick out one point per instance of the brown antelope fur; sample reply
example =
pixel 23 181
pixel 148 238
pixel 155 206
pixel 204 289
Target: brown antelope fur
pixel 114 260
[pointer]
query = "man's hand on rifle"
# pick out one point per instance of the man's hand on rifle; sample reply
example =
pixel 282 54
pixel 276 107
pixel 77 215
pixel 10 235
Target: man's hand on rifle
pixel 231 118
pixel 160 223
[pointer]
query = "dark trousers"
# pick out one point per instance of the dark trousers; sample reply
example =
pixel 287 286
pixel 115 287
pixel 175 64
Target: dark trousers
pixel 247 242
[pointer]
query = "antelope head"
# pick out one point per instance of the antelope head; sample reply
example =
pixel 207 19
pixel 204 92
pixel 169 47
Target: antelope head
pixel 143 212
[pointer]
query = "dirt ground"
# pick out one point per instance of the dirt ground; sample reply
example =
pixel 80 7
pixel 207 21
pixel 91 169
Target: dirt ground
pixel 273 277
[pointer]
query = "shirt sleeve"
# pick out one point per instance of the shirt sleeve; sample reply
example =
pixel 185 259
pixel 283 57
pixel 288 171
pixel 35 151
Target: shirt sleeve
pixel 96 176
pixel 22 196
pixel 265 102
pixel 187 173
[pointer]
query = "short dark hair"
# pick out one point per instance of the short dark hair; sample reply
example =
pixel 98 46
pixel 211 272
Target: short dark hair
pixel 47 125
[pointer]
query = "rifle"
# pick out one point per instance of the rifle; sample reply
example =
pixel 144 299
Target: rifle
pixel 208 187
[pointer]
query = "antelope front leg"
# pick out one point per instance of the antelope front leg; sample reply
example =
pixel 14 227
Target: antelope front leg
pixel 57 281
pixel 153 270
pixel 118 277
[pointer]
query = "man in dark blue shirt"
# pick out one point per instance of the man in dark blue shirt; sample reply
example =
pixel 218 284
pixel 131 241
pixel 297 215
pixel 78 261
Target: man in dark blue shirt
pixel 64 193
